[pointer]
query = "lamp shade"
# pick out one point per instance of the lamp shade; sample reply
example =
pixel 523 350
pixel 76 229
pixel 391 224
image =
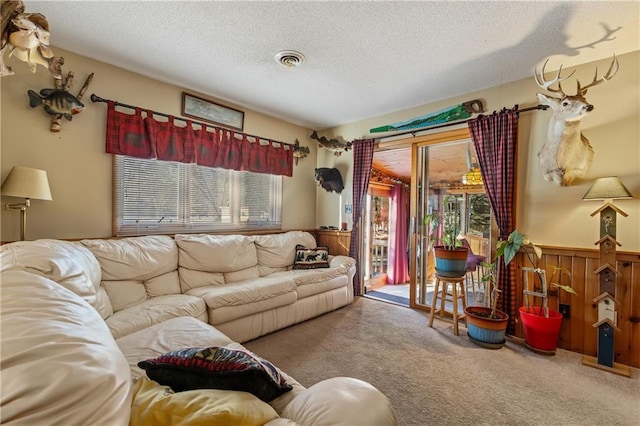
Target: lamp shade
pixel 25 182
pixel 607 188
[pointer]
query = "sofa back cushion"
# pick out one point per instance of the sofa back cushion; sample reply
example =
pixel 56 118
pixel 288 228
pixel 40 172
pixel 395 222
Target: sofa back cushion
pixel 59 363
pixel 68 263
pixel 277 251
pixel 135 269
pixel 233 256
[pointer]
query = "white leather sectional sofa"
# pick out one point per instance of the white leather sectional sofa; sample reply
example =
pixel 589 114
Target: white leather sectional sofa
pixel 77 317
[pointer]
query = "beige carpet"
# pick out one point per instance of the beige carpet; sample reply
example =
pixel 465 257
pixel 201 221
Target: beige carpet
pixel 435 378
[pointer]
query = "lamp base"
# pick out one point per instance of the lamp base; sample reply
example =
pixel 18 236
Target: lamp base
pixel 23 215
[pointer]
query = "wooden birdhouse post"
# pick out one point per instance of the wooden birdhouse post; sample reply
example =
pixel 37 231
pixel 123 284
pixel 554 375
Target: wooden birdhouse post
pixel 606 301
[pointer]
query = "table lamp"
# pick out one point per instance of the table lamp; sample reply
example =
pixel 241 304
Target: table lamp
pixel 26 183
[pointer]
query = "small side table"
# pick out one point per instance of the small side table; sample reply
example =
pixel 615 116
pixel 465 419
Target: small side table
pixel 444 295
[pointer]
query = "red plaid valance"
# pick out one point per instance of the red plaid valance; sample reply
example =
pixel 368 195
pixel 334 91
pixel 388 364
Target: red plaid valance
pixel 134 136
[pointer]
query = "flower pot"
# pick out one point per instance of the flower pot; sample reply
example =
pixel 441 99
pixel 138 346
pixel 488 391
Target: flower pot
pixel 451 262
pixel 483 330
pixel 541 333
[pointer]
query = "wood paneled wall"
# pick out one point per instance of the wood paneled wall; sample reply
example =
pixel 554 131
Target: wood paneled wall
pixel 577 333
pixel 337 241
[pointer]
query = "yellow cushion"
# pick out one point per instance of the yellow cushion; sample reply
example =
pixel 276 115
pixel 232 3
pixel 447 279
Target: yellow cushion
pixel 154 405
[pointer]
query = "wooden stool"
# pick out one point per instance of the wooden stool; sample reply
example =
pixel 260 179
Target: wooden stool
pixel 452 297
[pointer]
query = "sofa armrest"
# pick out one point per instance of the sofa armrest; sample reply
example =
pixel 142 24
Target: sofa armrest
pixel 341 401
pixel 350 264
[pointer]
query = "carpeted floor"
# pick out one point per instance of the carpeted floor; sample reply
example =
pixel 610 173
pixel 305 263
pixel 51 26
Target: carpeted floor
pixel 434 377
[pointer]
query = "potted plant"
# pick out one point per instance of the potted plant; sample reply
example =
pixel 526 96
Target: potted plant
pixel 541 325
pixel 451 258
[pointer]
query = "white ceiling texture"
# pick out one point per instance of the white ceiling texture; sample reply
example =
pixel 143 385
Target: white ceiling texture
pixel 363 59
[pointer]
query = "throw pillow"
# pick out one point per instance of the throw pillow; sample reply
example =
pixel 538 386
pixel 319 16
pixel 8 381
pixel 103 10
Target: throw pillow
pixel 311 258
pixel 216 368
pixel 154 404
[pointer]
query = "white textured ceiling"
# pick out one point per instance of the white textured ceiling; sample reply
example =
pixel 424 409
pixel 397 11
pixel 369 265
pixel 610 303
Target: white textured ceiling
pixel 364 59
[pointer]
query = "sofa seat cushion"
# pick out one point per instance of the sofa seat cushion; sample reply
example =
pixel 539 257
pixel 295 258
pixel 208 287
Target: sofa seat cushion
pixel 315 281
pixel 186 332
pixel 155 310
pixel 170 335
pixel 154 404
pixel 236 300
pixel 244 292
pixel 59 363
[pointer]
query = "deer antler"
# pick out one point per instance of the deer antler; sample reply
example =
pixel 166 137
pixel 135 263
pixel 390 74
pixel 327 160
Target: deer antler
pixel 582 91
pixel 546 85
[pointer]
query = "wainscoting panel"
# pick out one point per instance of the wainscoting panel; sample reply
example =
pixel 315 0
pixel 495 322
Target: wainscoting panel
pixel 577 333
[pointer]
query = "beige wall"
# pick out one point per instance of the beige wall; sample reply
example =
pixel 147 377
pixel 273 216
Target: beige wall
pixel 80 173
pixel 549 214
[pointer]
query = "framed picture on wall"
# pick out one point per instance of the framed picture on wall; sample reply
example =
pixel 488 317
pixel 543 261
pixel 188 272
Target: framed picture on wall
pixel 203 109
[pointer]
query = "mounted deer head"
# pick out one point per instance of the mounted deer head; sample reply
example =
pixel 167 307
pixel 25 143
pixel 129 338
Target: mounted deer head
pixel 567 154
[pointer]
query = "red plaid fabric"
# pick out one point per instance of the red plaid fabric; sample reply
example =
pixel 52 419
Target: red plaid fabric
pixel 280 160
pixel 126 134
pixel 495 138
pixel 362 160
pixel 172 143
pixel 207 146
pixel 230 152
pixel 254 156
pixel 131 135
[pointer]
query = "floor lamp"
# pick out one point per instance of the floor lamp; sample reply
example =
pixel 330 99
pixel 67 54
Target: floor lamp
pixel 607 189
pixel 27 183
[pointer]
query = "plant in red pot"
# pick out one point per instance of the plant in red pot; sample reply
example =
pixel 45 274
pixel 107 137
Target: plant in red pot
pixel 541 325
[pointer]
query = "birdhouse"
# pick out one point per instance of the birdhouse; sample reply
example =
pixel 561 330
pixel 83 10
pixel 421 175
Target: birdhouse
pixel 606 309
pixel 608 275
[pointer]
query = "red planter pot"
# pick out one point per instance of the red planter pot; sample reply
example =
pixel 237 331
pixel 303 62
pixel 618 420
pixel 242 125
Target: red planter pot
pixel 540 332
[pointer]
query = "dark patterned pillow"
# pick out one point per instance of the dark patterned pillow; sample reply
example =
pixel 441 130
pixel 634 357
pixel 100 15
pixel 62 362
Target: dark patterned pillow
pixel 311 258
pixel 216 368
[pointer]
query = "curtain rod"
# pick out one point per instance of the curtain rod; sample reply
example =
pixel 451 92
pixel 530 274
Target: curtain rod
pixel 96 98
pixel 413 132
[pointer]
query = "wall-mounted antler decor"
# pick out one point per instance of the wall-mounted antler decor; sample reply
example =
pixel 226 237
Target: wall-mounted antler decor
pixel 26 37
pixel 567 154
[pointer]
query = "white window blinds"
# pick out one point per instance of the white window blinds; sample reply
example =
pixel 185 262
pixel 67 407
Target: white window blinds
pixel 166 197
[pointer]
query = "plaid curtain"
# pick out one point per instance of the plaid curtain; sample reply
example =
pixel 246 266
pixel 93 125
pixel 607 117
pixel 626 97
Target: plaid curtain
pixel 126 134
pixel 495 139
pixel 131 135
pixel 172 143
pixel 362 160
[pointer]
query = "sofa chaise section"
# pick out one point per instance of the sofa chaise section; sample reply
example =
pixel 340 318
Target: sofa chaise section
pixel 140 275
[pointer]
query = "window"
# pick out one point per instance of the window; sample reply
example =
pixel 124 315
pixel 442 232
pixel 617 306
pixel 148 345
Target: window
pixel 164 197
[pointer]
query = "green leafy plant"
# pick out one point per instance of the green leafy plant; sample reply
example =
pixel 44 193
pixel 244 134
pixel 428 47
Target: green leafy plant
pixel 507 250
pixel 431 223
pixel 450 222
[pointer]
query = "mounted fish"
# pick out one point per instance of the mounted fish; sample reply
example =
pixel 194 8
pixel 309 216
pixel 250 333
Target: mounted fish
pixel 300 151
pixel 331 144
pixel 26 36
pixel 56 101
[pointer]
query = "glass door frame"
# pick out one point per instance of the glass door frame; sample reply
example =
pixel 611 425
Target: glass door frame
pixel 416 223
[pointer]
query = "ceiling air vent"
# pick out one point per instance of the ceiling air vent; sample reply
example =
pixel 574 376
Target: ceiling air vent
pixel 290 58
